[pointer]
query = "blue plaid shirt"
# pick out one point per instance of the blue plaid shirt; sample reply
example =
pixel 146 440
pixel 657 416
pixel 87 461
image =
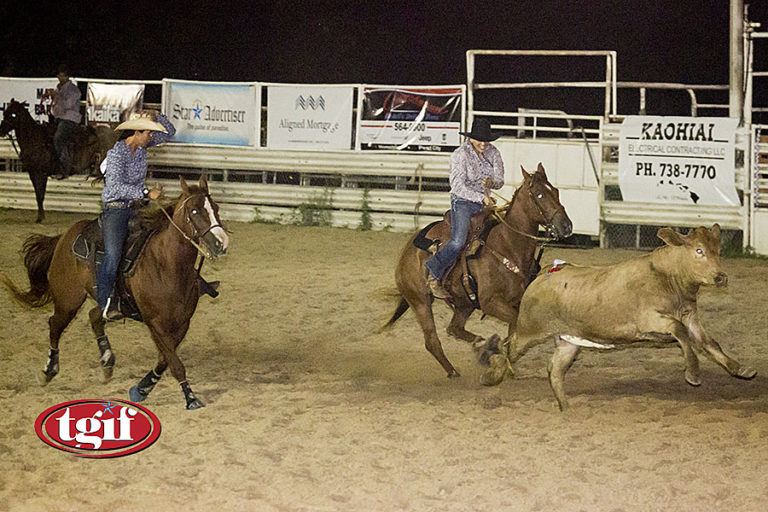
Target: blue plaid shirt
pixel 126 170
pixel 468 170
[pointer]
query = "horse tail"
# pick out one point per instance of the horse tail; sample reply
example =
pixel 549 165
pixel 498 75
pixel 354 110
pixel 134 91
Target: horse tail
pixel 38 253
pixel 402 307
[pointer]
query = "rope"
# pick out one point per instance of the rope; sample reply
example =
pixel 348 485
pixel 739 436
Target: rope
pixel 204 252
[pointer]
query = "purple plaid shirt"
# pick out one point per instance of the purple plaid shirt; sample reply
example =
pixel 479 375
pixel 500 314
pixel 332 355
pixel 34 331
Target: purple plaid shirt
pixel 468 170
pixel 126 170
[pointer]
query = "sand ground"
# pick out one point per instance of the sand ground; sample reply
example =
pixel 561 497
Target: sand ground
pixel 309 410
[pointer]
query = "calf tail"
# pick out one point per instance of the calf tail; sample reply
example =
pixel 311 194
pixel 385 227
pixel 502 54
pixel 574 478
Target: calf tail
pixel 38 253
pixel 402 307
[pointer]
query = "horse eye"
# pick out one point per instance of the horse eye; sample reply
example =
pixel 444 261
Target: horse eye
pixel 194 211
pixel 700 251
pixel 539 196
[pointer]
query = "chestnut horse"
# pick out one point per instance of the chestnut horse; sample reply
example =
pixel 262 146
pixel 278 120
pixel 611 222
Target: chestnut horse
pixel 164 284
pixel 37 155
pixel 503 269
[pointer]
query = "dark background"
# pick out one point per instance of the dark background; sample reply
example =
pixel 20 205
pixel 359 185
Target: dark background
pixel 386 42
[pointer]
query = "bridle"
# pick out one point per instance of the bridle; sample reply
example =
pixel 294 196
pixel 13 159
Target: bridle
pixel 549 226
pixel 197 234
pixel 10 137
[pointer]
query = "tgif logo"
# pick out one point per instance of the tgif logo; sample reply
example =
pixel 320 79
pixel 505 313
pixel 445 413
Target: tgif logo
pixel 98 429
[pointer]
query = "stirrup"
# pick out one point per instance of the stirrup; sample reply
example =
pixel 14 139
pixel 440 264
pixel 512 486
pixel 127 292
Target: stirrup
pixel 111 312
pixel 436 288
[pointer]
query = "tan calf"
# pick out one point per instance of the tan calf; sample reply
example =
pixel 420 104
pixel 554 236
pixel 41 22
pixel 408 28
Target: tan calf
pixel 650 298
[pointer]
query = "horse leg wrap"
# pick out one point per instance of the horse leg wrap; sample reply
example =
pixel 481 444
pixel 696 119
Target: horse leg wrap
pixel 107 357
pixel 147 383
pixel 52 365
pixel 189 396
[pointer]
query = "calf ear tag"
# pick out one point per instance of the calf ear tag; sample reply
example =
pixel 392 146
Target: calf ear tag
pixel 556 266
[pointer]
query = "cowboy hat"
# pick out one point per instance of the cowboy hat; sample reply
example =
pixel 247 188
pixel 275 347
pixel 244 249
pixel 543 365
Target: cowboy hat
pixel 481 130
pixel 141 122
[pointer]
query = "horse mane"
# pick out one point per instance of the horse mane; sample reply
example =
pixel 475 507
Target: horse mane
pixel 152 217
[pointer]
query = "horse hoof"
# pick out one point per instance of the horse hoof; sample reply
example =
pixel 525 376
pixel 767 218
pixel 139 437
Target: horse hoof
pixel 693 380
pixel 44 378
pixel 745 372
pixel 194 404
pixel 136 395
pixel 106 374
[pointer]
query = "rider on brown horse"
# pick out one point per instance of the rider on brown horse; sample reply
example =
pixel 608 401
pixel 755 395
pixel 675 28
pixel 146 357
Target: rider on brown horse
pixel 476 166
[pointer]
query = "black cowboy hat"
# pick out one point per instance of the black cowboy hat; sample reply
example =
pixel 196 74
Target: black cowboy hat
pixel 481 130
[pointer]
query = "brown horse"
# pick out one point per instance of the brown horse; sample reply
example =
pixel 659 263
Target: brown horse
pixel 36 148
pixel 502 270
pixel 164 284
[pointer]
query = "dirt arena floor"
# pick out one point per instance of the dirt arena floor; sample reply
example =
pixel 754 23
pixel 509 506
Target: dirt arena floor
pixel 309 410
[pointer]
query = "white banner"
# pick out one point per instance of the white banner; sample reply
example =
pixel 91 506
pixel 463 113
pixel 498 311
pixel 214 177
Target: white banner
pixel 213 113
pixel 110 104
pixel 400 117
pixel 29 90
pixel 309 117
pixel 683 160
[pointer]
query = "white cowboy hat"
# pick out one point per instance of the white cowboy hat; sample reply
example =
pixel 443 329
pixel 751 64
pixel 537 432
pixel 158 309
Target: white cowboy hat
pixel 141 122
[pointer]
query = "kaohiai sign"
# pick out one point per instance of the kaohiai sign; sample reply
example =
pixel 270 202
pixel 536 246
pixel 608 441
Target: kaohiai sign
pixel 98 429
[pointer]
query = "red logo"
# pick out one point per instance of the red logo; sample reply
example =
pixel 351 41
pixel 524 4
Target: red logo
pixel 98 429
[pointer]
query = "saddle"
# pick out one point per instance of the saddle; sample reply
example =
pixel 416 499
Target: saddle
pixel 89 247
pixel 431 236
pixel 83 141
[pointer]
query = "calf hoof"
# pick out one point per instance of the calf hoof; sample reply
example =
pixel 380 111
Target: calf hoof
pixel 495 374
pixel 692 378
pixel 195 403
pixel 454 374
pixel 487 350
pixel 745 372
pixel 136 395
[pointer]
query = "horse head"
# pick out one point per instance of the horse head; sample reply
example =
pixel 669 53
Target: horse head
pixel 13 115
pixel 201 212
pixel 543 203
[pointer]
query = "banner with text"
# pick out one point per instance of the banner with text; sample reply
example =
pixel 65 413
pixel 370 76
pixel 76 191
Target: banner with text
pixel 213 113
pixel 29 90
pixel 425 118
pixel 111 104
pixel 683 160
pixel 309 117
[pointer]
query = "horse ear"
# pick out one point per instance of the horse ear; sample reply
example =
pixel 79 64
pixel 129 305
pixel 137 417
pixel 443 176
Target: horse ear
pixel 526 175
pixel 203 182
pixel 540 168
pixel 184 186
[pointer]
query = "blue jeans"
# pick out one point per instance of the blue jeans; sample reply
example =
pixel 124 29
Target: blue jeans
pixel 462 211
pixel 61 144
pixel 114 228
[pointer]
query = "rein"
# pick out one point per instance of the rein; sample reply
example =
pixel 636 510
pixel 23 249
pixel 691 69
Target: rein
pixel 13 144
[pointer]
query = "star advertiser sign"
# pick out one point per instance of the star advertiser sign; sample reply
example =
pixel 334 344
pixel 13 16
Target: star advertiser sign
pixel 97 428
